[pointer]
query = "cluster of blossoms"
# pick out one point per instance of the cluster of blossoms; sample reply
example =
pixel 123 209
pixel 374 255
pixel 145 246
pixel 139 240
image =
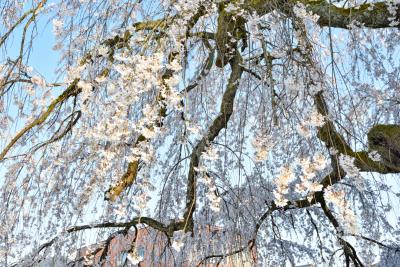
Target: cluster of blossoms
pixel 138 76
pixel 179 239
pixel 211 194
pixel 262 145
pixel 88 259
pixel 347 216
pixel 141 200
pixel 392 7
pixel 310 169
pixel 253 23
pixel 58 26
pixel 375 156
pixel 134 257
pixel 315 119
pixel 347 163
pixel 234 7
pixel 39 81
pixel 186 9
pixel 210 154
pixel 282 186
pixel 301 12
pixel 129 91
pixel 292 85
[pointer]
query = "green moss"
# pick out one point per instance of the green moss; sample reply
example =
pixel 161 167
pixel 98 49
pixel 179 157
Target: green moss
pixel 385 139
pixel 343 11
pixel 389 130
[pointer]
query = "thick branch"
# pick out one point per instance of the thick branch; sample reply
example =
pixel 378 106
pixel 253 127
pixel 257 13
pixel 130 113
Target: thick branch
pixel 370 15
pixel 218 124
pixel 380 137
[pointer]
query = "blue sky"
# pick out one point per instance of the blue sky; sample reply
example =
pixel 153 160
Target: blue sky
pixel 42 57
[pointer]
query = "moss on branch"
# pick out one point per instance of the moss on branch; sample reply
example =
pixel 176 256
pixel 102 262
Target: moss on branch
pixel 374 15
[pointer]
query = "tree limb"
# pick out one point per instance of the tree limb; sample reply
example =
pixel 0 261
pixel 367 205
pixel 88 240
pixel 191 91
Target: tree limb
pixel 217 125
pixel 370 15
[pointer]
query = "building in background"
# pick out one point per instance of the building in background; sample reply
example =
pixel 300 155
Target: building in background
pixel 152 248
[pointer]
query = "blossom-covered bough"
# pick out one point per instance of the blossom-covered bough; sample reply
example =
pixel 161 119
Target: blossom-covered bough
pixel 273 123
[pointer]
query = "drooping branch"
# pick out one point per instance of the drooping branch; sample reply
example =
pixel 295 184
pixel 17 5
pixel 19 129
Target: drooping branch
pixel 327 133
pixel 31 12
pixel 251 244
pixel 71 90
pixel 73 119
pixel 129 177
pixel 317 198
pixel 219 123
pixel 204 71
pixel 395 249
pixel 349 251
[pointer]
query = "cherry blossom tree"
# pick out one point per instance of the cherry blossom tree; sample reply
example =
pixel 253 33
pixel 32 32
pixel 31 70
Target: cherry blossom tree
pixel 274 122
